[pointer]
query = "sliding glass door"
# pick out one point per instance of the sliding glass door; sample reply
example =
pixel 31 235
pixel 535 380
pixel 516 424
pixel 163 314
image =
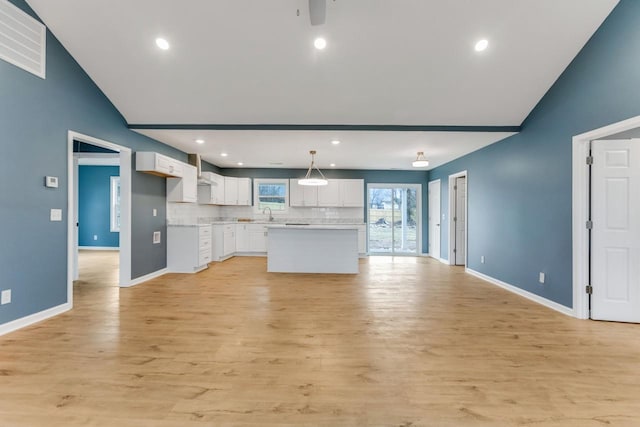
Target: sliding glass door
pixel 394 219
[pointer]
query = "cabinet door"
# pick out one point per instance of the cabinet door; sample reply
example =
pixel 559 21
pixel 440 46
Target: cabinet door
pixel 352 193
pixel 230 190
pixel 242 238
pixel 244 191
pixel 217 190
pixel 258 238
pixel 296 193
pixel 329 195
pixel 229 244
pixel 190 184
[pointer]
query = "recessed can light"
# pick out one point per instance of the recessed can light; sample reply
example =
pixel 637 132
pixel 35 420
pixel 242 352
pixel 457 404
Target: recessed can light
pixel 482 45
pixel 320 43
pixel 333 165
pixel 240 163
pixel 199 141
pixel 335 142
pixel 162 43
pixel 224 154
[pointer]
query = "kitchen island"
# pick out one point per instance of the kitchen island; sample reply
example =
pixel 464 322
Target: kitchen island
pixel 312 249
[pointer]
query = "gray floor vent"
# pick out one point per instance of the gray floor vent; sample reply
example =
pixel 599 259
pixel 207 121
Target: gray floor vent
pixel 23 40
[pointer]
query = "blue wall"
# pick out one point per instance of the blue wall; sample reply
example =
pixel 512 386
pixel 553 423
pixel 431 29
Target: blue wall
pixel 519 201
pixel 369 176
pixel 94 206
pixel 35 115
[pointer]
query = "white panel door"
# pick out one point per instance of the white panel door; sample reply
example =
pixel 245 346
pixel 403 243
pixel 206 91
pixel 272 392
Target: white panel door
pixel 615 237
pixel 461 220
pixel 434 219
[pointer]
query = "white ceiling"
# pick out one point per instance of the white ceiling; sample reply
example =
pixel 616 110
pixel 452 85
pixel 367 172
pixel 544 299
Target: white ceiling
pixel 400 62
pixel 357 149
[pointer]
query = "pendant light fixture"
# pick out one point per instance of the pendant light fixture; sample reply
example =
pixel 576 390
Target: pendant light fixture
pixel 420 161
pixel 308 178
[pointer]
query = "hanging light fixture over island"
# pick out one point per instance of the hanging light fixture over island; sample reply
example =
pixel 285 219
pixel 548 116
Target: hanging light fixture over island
pixel 309 179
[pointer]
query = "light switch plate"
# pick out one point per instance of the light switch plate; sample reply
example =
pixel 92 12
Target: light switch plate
pixel 541 278
pixel 56 214
pixel 155 212
pixel 51 181
pixel 6 297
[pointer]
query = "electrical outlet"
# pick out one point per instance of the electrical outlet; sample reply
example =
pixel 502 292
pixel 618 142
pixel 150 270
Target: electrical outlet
pixel 156 237
pixel 95 237
pixel 541 277
pixel 6 297
pixel 482 259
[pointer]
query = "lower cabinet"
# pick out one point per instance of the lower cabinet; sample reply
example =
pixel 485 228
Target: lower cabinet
pixel 224 241
pixel 188 248
pixel 251 238
pixel 362 239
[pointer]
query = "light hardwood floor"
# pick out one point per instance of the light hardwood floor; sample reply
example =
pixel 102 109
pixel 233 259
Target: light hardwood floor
pixel 407 342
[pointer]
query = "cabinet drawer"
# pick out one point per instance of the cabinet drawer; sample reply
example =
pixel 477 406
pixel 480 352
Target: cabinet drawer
pixel 205 243
pixel 205 232
pixel 204 257
pixel 229 227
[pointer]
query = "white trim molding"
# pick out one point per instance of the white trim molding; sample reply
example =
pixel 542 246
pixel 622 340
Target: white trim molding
pixel 145 278
pixel 99 248
pixel 580 208
pixel 29 320
pixel 526 294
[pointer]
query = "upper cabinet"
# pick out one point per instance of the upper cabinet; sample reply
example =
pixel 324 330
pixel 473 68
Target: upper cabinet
pixel 213 192
pixel 230 190
pixel 158 164
pixel 339 193
pixel 244 191
pixel 302 195
pixel 352 193
pixel 185 189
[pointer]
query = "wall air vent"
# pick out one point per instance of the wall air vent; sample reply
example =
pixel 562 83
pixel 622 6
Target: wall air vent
pixel 23 40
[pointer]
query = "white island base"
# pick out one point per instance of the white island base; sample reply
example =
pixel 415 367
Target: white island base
pixel 312 249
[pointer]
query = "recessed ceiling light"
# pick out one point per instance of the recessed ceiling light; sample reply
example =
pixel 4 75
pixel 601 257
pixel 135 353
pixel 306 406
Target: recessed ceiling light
pixel 320 43
pixel 240 163
pixel 333 165
pixel 482 45
pixel 335 142
pixel 224 154
pixel 162 43
pixel 199 141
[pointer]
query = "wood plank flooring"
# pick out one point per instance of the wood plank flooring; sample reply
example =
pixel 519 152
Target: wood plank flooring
pixel 407 342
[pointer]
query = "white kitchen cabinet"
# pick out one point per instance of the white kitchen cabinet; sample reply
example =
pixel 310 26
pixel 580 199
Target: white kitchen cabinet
pixel 185 189
pixel 329 195
pixel 213 192
pixel 158 164
pixel 302 195
pixel 351 193
pixel 362 239
pixel 224 241
pixel 257 237
pixel 242 237
pixel 188 248
pixel 230 190
pixel 244 192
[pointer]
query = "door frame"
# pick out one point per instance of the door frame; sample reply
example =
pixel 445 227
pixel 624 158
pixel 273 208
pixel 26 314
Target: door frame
pixel 580 206
pixel 452 225
pixel 418 213
pixel 437 183
pixel 125 207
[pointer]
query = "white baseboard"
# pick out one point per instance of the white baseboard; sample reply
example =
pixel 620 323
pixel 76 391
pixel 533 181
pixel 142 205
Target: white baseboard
pixel 14 325
pixel 145 278
pixel 444 261
pixel 526 294
pixel 99 248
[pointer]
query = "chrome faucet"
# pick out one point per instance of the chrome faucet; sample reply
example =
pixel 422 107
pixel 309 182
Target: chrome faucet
pixel 270 214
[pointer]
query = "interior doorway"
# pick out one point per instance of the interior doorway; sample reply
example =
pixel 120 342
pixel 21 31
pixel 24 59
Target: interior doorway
pixel 615 230
pixel 458 184
pixel 394 217
pixel 434 219
pixel 108 152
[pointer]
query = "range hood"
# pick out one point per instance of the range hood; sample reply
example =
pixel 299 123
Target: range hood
pixel 203 178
